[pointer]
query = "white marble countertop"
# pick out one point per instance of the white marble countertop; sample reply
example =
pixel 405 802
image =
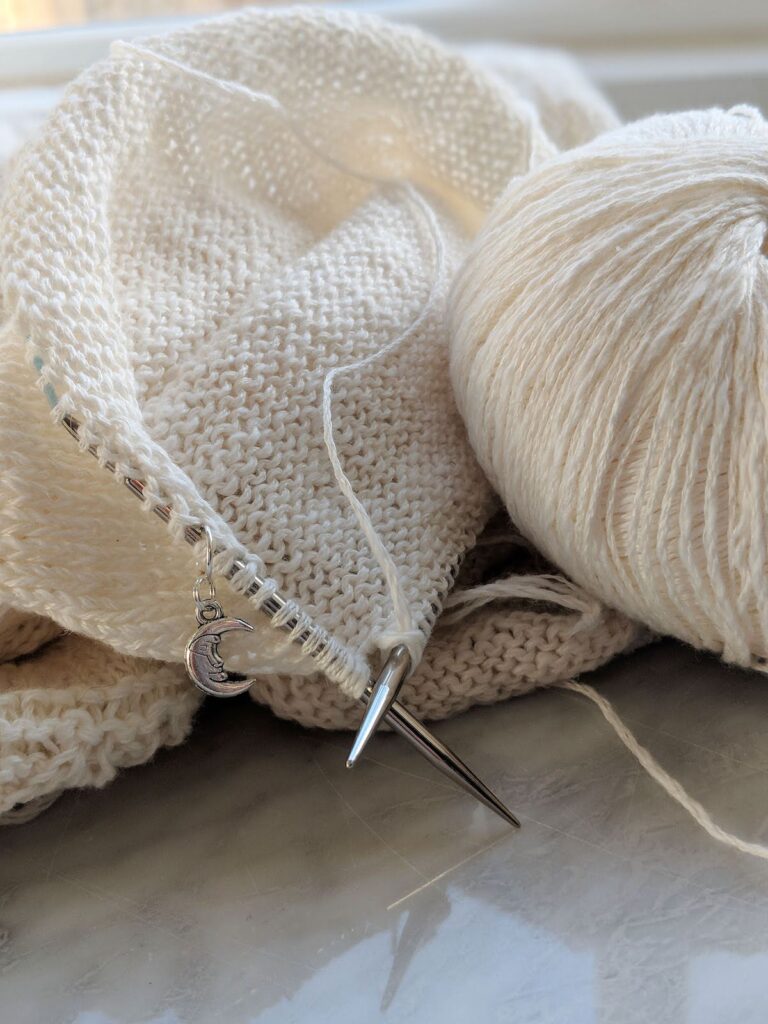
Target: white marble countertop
pixel 248 876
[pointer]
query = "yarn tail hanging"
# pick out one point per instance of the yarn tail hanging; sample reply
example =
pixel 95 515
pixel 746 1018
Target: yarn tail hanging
pixel 669 784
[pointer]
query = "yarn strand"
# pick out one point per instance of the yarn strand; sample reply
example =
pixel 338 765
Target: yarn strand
pixel 546 588
pixel 404 629
pixel 671 786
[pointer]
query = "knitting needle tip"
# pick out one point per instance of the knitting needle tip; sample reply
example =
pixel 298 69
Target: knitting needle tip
pixel 379 700
pixel 446 762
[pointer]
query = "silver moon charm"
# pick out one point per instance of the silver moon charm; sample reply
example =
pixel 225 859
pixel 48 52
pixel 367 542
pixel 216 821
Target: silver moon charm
pixel 206 666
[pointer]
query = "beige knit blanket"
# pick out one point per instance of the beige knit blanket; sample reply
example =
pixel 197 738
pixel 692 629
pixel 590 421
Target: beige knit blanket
pixel 209 227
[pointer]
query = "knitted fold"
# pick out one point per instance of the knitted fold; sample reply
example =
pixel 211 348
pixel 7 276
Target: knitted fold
pixel 208 225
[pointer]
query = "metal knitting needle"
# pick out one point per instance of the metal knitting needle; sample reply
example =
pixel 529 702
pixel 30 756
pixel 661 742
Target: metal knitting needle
pixel 443 758
pixel 437 753
pixel 382 706
pixel 383 693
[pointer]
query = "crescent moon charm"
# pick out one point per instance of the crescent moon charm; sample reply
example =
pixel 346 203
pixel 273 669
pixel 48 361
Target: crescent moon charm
pixel 205 664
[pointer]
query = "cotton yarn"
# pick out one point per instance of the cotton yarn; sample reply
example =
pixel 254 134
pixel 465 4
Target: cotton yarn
pixel 253 320
pixel 246 233
pixel 77 712
pixel 608 352
pixel 610 356
pixel 73 711
pixel 287 238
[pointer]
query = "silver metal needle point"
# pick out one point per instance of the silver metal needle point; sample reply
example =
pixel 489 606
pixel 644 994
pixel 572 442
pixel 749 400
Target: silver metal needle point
pixel 443 758
pixel 383 692
pixel 384 689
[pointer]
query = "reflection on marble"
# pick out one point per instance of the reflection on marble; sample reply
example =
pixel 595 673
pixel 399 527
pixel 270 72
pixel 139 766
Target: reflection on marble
pixel 248 876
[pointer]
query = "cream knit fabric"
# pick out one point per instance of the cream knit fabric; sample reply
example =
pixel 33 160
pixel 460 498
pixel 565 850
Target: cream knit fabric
pixel 77 711
pixel 185 256
pixel 185 269
pixel 497 651
pixel 22 633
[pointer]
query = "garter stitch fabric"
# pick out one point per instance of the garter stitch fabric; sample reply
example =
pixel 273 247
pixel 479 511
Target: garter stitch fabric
pixel 73 712
pixel 76 712
pixel 77 551
pixel 182 266
pixel 610 356
pixel 501 650
pixel 22 633
pixel 221 269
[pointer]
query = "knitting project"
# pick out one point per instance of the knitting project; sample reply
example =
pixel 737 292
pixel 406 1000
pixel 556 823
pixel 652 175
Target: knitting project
pixel 233 272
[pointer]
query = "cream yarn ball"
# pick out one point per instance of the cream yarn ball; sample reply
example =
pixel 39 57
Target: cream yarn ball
pixel 610 358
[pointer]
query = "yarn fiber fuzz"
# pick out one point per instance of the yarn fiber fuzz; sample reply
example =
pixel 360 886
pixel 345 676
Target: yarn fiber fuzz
pixel 610 356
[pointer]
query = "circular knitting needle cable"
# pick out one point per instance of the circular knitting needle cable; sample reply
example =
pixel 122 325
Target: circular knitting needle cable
pixel 385 707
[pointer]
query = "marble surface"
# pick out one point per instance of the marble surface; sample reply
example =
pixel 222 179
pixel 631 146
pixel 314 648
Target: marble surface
pixel 248 876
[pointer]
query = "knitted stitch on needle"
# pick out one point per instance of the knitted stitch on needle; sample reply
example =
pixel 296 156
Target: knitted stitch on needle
pixel 247 295
pixel 223 270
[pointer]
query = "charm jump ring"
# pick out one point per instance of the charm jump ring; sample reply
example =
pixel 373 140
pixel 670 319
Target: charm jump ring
pixel 208 571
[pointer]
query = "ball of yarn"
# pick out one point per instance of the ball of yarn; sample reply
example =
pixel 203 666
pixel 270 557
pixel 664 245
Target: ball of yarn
pixel 610 357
